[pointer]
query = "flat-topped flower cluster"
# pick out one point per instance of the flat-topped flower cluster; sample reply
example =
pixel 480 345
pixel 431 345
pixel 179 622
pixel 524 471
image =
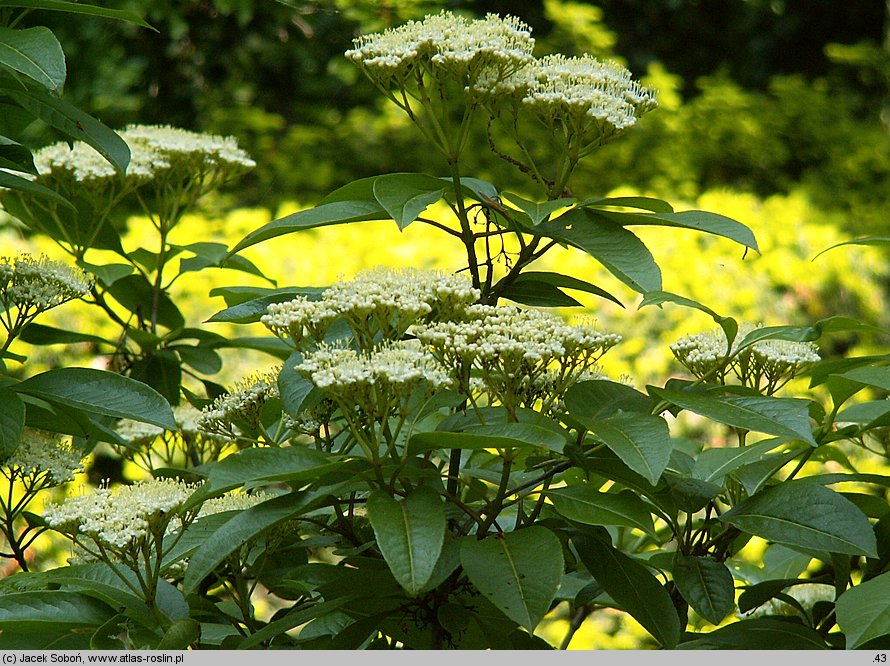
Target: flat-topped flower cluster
pixel 47 458
pixel 38 283
pixel 124 518
pixel 416 330
pixel 765 364
pixel 154 149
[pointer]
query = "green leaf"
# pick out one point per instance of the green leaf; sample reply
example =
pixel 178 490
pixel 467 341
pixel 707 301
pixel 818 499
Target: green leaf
pixel 863 611
pixel 804 514
pixel 643 442
pixel 161 371
pixel 632 587
pixel 642 203
pixel 13 182
pixel 250 467
pixel 405 196
pixel 410 534
pixel 879 377
pixel 75 123
pixel 295 390
pixel 616 248
pixel 601 398
pixel 12 422
pixel 869 414
pixel 584 504
pixel 250 311
pixel 714 464
pixel 758 634
pixel 38 334
pixel 337 212
pixel 51 610
pixel 707 586
pixel 728 324
pixel 215 255
pixel 100 392
pixel 136 293
pixel 879 241
pixel 78 8
pixel 242 527
pixel 519 572
pixel 490 436
pixel 697 220
pixel 15 156
pixel 542 284
pixel 782 417
pixel 539 295
pixel 199 358
pixel 181 634
pixel 34 52
pixel 537 212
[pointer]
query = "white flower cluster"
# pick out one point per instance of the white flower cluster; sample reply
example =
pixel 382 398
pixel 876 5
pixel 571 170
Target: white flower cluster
pixel 445 43
pixel 766 363
pixel 42 452
pixel 234 501
pixel 599 99
pixel 153 149
pixel 397 366
pixel 136 432
pixel 240 406
pixel 39 283
pixel 157 147
pixel 521 356
pixel 80 160
pixel 124 518
pixel 378 302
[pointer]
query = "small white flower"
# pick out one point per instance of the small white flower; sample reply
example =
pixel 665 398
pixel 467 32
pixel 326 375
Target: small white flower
pixel 242 404
pixel 234 501
pixel 39 283
pixel 45 452
pixel 123 518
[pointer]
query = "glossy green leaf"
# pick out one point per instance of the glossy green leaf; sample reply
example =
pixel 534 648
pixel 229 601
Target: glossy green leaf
pixel 161 371
pixel 15 156
pixel 410 534
pixel 51 610
pixel 337 212
pixel 215 255
pixel 79 8
pixel 641 203
pixel 696 220
pixel 490 436
pixel 601 398
pixel 707 586
pixel 809 515
pixel 519 572
pixel 869 414
pixel 643 442
pixel 715 463
pixel 728 324
pixel 12 422
pixel 181 634
pixel 242 527
pixel 136 294
pixel 250 467
pixel 528 281
pixel 250 311
pixel 617 249
pixel 632 586
pixel 758 634
pixel 405 196
pixel 584 504
pixel 38 334
pixel 74 122
pixel 13 182
pixel 539 295
pixel 537 212
pixel 782 417
pixel 34 52
pixel 863 611
pixel 200 359
pixel 296 391
pixel 879 377
pixel 100 392
pixel 878 241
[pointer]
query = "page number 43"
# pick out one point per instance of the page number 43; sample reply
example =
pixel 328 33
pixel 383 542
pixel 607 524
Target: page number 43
pixel 880 658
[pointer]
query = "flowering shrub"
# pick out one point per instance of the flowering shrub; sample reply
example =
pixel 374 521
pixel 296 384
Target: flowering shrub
pixel 426 465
